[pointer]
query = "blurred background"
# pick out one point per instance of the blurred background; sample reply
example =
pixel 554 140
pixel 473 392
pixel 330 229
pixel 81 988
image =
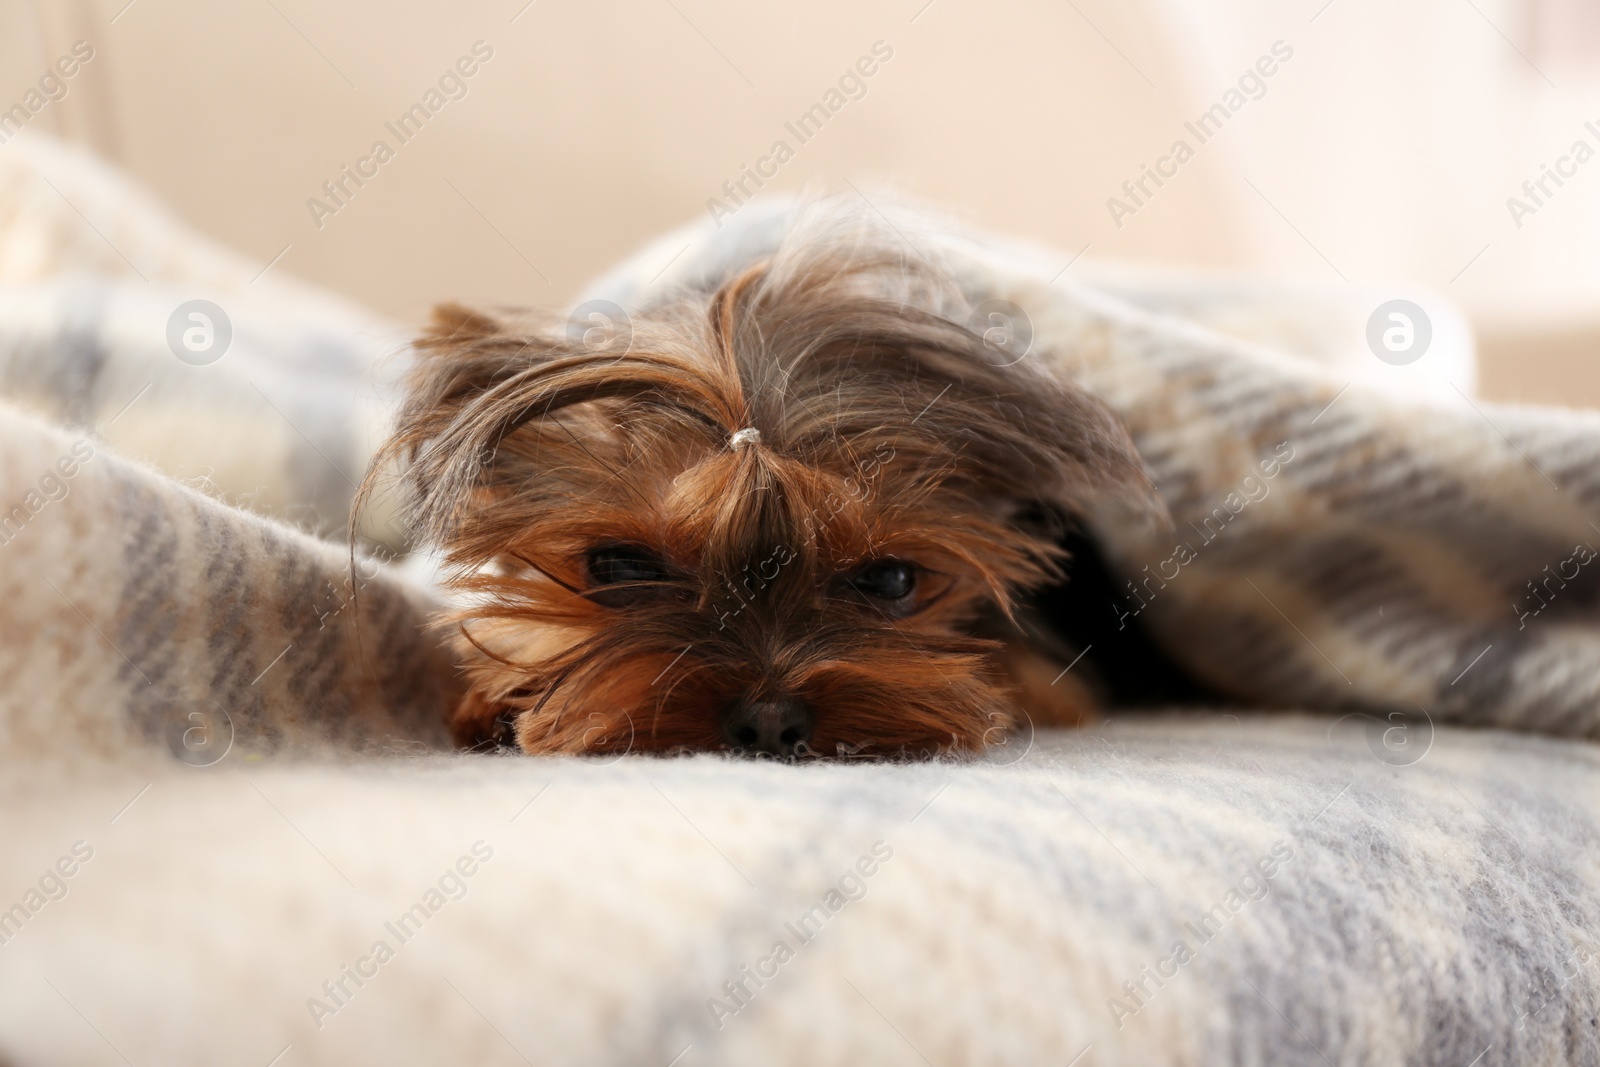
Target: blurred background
pixel 1384 147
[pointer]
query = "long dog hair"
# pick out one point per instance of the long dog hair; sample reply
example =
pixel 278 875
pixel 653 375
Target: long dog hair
pixel 802 487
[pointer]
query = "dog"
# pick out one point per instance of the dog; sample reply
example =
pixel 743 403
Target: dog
pixel 794 512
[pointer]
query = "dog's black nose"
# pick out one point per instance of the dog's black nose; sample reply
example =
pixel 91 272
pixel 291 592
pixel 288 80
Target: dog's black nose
pixel 774 725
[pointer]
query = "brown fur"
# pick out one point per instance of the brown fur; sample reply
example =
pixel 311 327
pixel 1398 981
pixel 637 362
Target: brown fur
pixel 886 429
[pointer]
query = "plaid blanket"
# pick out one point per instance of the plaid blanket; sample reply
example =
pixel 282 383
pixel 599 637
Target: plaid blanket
pixel 184 886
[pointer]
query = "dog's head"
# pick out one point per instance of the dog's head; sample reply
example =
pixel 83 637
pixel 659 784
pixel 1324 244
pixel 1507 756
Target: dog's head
pixel 766 520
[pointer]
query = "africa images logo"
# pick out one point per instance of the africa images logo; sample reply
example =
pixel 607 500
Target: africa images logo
pixel 1399 332
pixel 199 332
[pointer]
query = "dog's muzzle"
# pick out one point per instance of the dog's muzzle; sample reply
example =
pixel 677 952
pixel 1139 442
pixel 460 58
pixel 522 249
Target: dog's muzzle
pixel 769 725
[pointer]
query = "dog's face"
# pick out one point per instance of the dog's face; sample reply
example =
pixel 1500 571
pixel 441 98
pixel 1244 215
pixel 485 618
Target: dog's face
pixel 766 524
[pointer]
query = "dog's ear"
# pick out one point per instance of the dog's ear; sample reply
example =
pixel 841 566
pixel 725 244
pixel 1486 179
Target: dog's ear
pixel 460 355
pixel 462 401
pixel 452 322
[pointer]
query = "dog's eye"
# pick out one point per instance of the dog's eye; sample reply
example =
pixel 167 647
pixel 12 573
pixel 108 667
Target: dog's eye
pixel 887 579
pixel 625 563
pixel 630 568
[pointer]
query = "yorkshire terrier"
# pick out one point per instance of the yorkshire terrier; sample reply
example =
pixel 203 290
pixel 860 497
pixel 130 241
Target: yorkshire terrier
pixel 797 511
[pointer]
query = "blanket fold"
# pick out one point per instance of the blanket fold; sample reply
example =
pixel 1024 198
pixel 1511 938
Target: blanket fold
pixel 138 611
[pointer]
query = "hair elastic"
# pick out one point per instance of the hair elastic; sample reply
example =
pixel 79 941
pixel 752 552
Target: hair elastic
pixel 746 436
